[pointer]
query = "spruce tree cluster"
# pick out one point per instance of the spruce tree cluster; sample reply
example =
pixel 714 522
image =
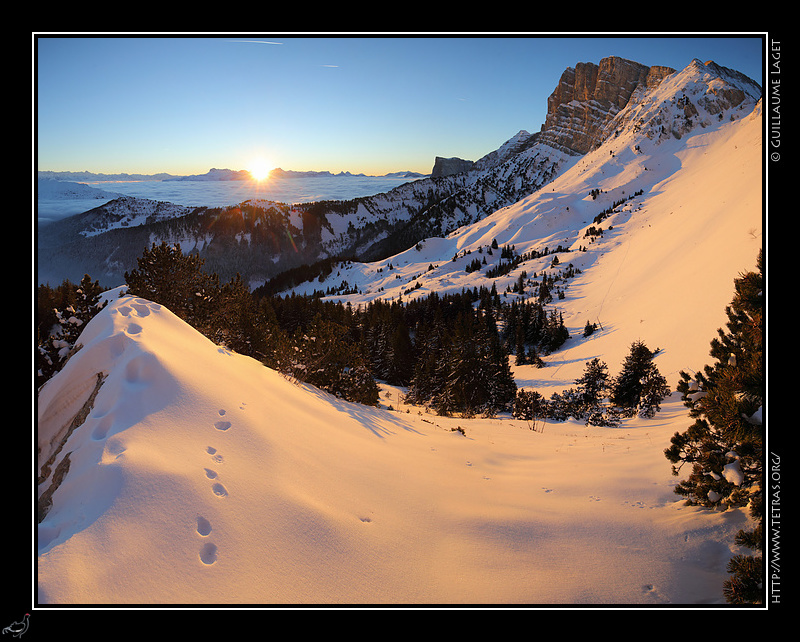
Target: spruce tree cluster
pixel 462 367
pixel 62 314
pixel 530 330
pixel 639 387
pixel 724 447
pixel 602 400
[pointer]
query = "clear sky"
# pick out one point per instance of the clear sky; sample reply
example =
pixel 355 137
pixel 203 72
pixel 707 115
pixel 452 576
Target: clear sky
pixel 186 103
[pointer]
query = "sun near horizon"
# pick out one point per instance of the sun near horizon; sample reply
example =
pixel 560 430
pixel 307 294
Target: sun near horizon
pixel 260 168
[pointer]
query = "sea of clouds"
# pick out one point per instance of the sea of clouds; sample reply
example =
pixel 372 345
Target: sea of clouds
pixel 54 204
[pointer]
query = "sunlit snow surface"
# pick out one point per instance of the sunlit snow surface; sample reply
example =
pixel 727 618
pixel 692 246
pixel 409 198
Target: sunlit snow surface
pixel 200 476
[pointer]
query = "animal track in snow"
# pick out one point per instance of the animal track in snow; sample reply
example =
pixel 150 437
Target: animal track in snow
pixel 222 425
pixel 215 455
pixel 133 328
pixel 208 553
pixel 211 474
pixel 203 526
pixel 219 490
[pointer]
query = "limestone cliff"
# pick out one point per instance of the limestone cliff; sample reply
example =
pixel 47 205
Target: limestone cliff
pixel 588 97
pixel 447 166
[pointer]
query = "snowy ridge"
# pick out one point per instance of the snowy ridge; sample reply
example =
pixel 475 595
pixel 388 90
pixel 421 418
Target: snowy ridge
pixel 671 197
pixel 127 211
pixel 198 476
pixel 49 188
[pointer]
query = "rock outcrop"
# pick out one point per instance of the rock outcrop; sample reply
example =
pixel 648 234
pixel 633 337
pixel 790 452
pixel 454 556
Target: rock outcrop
pixel 588 97
pixel 447 166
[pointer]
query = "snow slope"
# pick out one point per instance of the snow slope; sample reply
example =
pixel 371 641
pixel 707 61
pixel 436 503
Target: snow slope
pixel 663 274
pixel 201 477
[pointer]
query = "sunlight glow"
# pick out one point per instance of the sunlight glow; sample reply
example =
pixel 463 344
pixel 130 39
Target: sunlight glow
pixel 259 169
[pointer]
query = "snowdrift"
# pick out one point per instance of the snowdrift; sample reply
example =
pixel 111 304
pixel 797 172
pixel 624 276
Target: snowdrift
pixel 200 476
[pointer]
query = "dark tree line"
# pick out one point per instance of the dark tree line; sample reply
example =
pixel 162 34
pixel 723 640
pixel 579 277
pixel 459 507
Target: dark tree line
pixel 451 351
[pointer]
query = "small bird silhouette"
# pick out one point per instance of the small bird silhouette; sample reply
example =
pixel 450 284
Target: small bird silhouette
pixel 18 628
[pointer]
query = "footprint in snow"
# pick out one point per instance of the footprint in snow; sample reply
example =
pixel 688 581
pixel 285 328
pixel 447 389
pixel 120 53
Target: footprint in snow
pixel 214 454
pixel 222 425
pixel 203 526
pixel 133 328
pixel 208 553
pixel 219 490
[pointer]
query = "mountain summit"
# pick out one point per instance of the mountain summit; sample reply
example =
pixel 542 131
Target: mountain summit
pixel 588 97
pixel 591 104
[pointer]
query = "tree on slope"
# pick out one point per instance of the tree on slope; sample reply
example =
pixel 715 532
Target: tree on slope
pixel 325 357
pixel 639 387
pixel 530 406
pixel 592 389
pixel 55 344
pixel 724 446
pixel 177 281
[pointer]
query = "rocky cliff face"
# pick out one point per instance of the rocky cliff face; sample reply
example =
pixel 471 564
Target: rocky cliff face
pixel 448 166
pixel 588 97
pixel 259 240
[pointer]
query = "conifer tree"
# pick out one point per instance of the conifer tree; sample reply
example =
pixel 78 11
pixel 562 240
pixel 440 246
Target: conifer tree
pixel 58 342
pixel 324 357
pixel 725 444
pixel 234 321
pixel 502 387
pixel 594 382
pixel 639 387
pixel 593 387
pixel 176 280
pixel 401 356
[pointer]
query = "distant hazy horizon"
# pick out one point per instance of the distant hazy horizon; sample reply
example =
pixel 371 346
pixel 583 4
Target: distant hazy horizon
pixel 53 205
pixel 182 104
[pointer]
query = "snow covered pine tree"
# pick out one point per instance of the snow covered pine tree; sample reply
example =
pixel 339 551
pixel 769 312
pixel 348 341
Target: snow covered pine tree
pixel 725 445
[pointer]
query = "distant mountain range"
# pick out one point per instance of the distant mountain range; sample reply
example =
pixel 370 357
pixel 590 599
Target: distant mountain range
pixel 593 106
pixel 212 175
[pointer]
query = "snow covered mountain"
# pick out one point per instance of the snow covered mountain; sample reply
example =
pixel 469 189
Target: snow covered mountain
pixel 176 472
pixel 53 188
pixel 658 106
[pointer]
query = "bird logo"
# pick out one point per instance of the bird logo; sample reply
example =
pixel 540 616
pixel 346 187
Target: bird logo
pixel 18 628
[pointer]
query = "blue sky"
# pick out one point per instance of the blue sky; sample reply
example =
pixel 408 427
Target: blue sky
pixel 186 103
